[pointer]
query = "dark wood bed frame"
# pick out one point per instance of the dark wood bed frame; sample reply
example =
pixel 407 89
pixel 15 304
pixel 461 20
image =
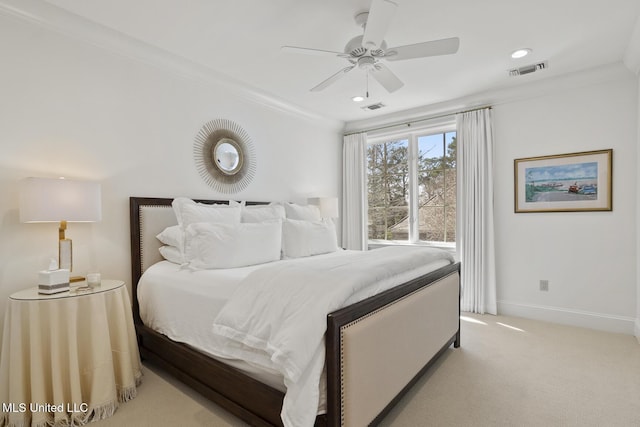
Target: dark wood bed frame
pixel 241 395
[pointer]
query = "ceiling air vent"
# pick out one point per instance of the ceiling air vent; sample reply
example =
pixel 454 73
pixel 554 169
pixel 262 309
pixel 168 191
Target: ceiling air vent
pixel 528 69
pixel 373 106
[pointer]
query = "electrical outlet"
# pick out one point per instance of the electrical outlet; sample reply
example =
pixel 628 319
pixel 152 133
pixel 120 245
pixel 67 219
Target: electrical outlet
pixel 544 285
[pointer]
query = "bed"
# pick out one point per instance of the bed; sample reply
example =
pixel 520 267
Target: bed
pixel 368 365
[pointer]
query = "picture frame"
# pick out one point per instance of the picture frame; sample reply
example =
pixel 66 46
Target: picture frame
pixel 570 182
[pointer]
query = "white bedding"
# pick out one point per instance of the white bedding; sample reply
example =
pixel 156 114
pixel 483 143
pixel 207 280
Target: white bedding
pixel 276 319
pixel 183 304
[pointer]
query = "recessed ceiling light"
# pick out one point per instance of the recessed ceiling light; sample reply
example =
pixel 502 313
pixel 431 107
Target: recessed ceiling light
pixel 520 53
pixel 357 98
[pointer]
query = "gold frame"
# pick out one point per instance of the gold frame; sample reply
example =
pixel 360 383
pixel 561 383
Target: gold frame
pixel 65 252
pixel 216 160
pixel 562 185
pixel 219 131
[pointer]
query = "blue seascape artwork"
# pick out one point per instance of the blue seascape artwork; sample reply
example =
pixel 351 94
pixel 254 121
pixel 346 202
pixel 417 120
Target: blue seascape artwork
pixel 563 183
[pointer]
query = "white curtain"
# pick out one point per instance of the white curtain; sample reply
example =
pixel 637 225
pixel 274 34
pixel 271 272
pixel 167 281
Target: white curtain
pixel 475 241
pixel 354 192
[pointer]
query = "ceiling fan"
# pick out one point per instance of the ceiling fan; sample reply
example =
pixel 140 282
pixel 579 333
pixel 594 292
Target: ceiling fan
pixel 369 51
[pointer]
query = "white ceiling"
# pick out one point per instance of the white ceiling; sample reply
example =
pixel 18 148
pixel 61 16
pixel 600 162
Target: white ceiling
pixel 242 39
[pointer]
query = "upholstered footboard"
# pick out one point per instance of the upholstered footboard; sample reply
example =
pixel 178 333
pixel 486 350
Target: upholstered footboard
pixel 383 352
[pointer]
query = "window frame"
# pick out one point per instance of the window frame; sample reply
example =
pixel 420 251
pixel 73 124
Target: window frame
pixel 411 134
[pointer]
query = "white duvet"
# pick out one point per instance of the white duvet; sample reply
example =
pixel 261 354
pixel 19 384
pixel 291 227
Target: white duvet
pixel 276 318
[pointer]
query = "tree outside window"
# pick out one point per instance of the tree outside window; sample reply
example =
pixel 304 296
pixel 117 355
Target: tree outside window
pixel 437 187
pixel 388 180
pixel 389 190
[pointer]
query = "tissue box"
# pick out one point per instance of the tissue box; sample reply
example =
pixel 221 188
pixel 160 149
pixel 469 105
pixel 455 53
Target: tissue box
pixel 53 281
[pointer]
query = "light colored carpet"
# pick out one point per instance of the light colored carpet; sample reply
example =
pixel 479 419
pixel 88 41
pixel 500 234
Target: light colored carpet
pixel 508 372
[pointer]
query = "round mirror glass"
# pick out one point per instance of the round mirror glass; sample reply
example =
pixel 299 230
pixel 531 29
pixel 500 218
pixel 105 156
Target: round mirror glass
pixel 227 156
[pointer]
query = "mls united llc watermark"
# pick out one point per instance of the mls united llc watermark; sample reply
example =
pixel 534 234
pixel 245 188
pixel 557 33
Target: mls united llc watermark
pixel 45 407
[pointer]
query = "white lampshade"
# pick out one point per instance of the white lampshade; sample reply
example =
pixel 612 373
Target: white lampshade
pixel 59 199
pixel 328 206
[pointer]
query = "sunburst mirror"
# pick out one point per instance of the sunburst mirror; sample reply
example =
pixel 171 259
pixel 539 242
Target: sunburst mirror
pixel 224 156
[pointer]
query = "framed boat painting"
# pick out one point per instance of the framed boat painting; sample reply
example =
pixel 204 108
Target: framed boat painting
pixel 564 182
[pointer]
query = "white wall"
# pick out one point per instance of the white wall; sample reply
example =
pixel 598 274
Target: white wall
pixel 589 258
pixel 632 62
pixel 69 108
pixel 637 325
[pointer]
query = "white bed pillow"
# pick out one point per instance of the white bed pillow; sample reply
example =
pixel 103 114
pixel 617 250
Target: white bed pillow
pixel 189 212
pixel 306 238
pixel 172 254
pixel 232 245
pixel 302 212
pixel 172 236
pixel 261 213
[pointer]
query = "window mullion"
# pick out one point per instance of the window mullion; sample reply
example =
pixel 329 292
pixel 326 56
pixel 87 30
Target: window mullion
pixel 414 232
pixel 444 187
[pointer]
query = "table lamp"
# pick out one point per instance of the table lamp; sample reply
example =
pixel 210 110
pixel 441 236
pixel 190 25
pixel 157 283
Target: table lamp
pixel 328 206
pixel 60 200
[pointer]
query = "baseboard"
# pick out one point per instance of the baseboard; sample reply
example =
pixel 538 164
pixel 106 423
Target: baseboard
pixel 565 316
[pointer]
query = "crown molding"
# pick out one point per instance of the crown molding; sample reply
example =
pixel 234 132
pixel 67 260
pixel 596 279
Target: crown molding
pixel 632 55
pixel 529 90
pixel 53 18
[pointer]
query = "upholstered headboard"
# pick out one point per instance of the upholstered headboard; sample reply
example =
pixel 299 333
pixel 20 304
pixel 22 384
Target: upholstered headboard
pixel 148 216
pixel 153 219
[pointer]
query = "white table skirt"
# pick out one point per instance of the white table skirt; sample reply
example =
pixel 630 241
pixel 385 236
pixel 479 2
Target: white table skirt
pixel 68 361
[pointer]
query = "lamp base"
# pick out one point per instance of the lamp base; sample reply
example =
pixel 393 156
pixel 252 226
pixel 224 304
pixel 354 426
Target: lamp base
pixel 65 252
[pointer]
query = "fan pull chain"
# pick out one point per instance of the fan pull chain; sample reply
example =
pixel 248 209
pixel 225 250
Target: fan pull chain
pixel 367 85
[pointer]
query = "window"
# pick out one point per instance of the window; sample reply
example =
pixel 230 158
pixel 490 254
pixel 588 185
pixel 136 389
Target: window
pixel 388 191
pixel 437 187
pixel 412 188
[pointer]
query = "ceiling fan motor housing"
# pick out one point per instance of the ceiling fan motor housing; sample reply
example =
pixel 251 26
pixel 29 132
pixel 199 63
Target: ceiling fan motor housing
pixel 355 49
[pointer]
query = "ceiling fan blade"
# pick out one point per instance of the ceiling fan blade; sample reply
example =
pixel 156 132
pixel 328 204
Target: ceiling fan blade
pixel 380 15
pixel 422 50
pixel 310 51
pixel 386 78
pixel 332 79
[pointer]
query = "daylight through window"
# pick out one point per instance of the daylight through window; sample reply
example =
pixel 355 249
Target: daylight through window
pixel 412 188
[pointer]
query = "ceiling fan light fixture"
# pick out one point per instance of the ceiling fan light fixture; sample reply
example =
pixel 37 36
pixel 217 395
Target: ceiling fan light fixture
pixel 520 53
pixel 366 63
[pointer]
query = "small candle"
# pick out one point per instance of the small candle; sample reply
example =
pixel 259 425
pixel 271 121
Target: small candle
pixel 93 280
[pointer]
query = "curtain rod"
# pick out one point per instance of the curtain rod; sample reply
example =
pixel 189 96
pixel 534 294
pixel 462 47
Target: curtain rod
pixel 419 120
